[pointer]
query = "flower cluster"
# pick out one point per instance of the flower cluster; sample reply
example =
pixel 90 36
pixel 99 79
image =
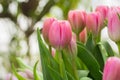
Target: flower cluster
pixel 59 35
pixel 74 50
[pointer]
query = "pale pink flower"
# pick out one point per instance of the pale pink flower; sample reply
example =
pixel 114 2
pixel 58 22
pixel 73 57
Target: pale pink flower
pixel 112 69
pixel 94 22
pixel 46 27
pixel 77 20
pixel 114 24
pixel 60 34
pixel 83 36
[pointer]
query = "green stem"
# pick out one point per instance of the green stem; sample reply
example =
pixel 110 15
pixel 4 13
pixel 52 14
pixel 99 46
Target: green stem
pixel 60 61
pixel 75 69
pixel 77 37
pixel 50 48
pixel 97 38
pixel 118 44
pixel 72 59
pixel 61 71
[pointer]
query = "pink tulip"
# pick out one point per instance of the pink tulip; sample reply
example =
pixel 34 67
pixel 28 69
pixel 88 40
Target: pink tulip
pixel 27 74
pixel 114 24
pixel 60 34
pixel 94 22
pixel 46 28
pixel 103 10
pixel 77 20
pixel 72 47
pixel 53 52
pixel 112 69
pixel 83 36
pixel 10 77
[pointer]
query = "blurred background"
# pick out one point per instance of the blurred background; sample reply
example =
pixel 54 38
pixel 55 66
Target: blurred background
pixel 19 20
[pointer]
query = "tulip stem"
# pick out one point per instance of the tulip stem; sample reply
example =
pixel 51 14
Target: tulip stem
pixel 118 44
pixel 50 48
pixel 74 69
pixel 97 38
pixel 60 62
pixel 77 37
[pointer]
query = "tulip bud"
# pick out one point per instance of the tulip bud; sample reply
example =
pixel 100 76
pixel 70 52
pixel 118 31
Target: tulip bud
pixel 94 22
pixel 103 10
pixel 10 77
pixel 53 52
pixel 114 24
pixel 72 47
pixel 26 74
pixel 60 34
pixel 83 36
pixel 77 20
pixel 46 28
pixel 112 69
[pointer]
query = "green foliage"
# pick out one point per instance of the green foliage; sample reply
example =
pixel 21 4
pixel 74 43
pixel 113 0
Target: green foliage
pixel 50 67
pixel 86 56
pixel 22 64
pixel 65 66
pixel 85 78
pixel 108 49
pixel 95 50
pixel 36 75
pixel 16 74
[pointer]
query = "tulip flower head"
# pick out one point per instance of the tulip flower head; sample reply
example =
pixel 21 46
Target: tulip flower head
pixel 60 34
pixel 83 36
pixel 94 22
pixel 103 10
pixel 112 69
pixel 77 20
pixel 46 27
pixel 114 24
pixel 27 74
pixel 10 77
pixel 53 52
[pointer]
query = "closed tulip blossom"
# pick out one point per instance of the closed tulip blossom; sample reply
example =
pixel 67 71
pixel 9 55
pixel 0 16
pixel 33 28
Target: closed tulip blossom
pixel 83 36
pixel 112 69
pixel 27 74
pixel 103 10
pixel 114 24
pixel 53 52
pixel 77 20
pixel 72 47
pixel 94 22
pixel 60 34
pixel 10 77
pixel 46 28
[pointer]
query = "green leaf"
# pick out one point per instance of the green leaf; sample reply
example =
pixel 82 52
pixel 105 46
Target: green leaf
pixel 55 75
pixel 91 63
pixel 83 73
pixel 90 44
pixel 99 56
pixel 22 64
pixel 108 48
pixel 70 64
pixel 46 59
pixel 70 77
pixel 85 78
pixel 95 50
pixel 36 75
pixel 16 74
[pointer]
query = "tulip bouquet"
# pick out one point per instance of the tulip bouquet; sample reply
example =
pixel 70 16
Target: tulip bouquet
pixel 72 49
